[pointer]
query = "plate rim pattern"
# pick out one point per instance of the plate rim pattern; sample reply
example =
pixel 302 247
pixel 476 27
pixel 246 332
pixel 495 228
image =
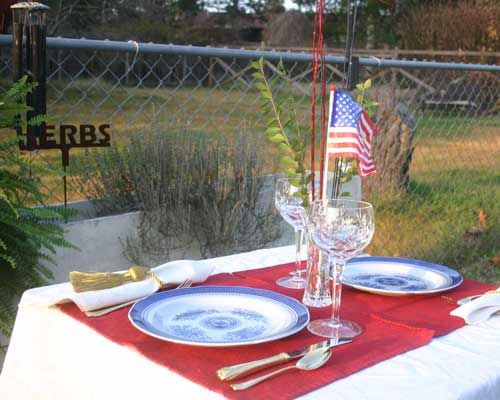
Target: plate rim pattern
pixel 455 276
pixel 135 314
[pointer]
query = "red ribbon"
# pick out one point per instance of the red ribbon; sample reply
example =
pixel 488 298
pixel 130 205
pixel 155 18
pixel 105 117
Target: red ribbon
pixel 318 59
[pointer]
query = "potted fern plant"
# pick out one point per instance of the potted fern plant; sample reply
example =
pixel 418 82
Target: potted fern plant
pixel 28 235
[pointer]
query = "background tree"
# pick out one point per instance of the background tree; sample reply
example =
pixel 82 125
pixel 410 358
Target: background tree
pixel 100 18
pixel 461 25
pixel 291 28
pixel 265 6
pixel 188 7
pixel 305 5
pixel 375 21
pixel 77 16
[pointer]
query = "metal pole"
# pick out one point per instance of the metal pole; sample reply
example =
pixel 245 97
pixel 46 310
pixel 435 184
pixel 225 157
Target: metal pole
pixel 65 187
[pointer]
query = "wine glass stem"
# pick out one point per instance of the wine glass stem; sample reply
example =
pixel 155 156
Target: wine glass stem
pixel 337 268
pixel 299 233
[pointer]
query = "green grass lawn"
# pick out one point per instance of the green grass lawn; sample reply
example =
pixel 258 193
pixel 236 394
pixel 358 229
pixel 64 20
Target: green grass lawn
pixel 455 169
pixel 454 174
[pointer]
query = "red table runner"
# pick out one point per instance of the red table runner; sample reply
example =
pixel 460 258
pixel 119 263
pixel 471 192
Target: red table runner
pixel 391 326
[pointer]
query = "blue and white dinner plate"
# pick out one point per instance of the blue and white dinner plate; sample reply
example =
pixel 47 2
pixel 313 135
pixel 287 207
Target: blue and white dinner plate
pixel 219 316
pixel 399 276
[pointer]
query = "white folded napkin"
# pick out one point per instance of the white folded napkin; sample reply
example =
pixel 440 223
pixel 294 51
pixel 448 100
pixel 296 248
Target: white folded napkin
pixel 173 273
pixel 479 309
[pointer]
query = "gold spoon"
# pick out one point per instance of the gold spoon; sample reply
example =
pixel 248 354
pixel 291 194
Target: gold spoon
pixel 312 360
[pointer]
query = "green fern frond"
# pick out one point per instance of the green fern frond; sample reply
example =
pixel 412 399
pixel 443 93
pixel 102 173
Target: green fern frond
pixel 48 258
pixel 19 90
pixel 10 260
pixel 5 199
pixel 14 108
pixel 28 236
pixel 44 213
pixel 38 120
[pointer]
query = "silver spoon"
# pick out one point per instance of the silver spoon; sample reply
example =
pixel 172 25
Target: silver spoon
pixel 312 360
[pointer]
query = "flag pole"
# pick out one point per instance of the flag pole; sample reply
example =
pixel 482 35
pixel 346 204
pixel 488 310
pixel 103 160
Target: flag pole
pixel 324 172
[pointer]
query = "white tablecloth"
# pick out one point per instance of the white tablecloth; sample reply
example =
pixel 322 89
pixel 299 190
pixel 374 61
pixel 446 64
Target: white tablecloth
pixel 52 356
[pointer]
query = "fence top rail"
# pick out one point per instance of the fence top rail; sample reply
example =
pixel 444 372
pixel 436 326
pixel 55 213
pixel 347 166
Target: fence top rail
pixel 153 48
pixel 380 52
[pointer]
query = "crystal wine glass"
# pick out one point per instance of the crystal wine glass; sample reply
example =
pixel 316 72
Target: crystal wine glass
pixel 290 207
pixel 341 229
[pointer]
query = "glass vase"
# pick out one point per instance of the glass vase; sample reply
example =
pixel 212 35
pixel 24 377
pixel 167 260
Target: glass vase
pixel 317 291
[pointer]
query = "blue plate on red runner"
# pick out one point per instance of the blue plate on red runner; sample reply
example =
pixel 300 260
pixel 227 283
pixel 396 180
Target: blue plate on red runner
pixel 219 316
pixel 399 276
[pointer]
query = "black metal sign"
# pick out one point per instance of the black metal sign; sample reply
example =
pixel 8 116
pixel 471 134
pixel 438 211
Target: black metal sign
pixel 66 137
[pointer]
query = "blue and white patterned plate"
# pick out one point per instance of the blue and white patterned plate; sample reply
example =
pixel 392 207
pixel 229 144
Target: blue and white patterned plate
pixel 219 316
pixel 399 276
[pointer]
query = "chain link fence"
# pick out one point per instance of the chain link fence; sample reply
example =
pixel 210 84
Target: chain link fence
pixel 443 118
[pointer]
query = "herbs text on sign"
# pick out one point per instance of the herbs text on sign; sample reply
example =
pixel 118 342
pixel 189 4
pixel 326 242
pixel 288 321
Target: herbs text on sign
pixel 64 137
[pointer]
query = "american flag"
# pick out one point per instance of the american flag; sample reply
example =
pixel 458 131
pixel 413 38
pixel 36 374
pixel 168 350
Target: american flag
pixel 350 132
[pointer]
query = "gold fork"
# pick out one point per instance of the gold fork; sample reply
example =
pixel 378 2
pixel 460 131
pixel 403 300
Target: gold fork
pixel 103 311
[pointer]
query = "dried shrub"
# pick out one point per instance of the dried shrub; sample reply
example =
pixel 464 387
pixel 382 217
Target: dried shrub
pixel 466 25
pixel 193 190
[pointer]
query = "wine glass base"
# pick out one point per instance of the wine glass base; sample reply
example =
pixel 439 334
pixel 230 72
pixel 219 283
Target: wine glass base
pixel 343 329
pixel 292 282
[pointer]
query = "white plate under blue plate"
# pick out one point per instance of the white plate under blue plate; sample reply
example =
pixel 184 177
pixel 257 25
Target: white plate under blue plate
pixel 219 316
pixel 399 276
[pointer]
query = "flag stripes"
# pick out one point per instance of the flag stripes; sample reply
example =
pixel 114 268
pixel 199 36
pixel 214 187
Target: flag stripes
pixel 350 133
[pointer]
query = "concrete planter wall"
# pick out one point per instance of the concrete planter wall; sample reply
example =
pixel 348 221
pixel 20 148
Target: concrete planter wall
pixel 101 239
pixel 100 243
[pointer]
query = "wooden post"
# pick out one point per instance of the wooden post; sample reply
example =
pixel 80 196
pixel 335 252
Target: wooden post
pixel 482 59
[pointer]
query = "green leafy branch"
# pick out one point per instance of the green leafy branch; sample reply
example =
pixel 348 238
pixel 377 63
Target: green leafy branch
pixel 282 125
pixel 283 129
pixel 368 104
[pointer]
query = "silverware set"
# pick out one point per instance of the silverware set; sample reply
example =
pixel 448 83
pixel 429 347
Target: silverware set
pixel 312 357
pixel 310 361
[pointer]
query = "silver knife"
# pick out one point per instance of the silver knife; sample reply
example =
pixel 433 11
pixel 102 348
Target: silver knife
pixel 235 371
